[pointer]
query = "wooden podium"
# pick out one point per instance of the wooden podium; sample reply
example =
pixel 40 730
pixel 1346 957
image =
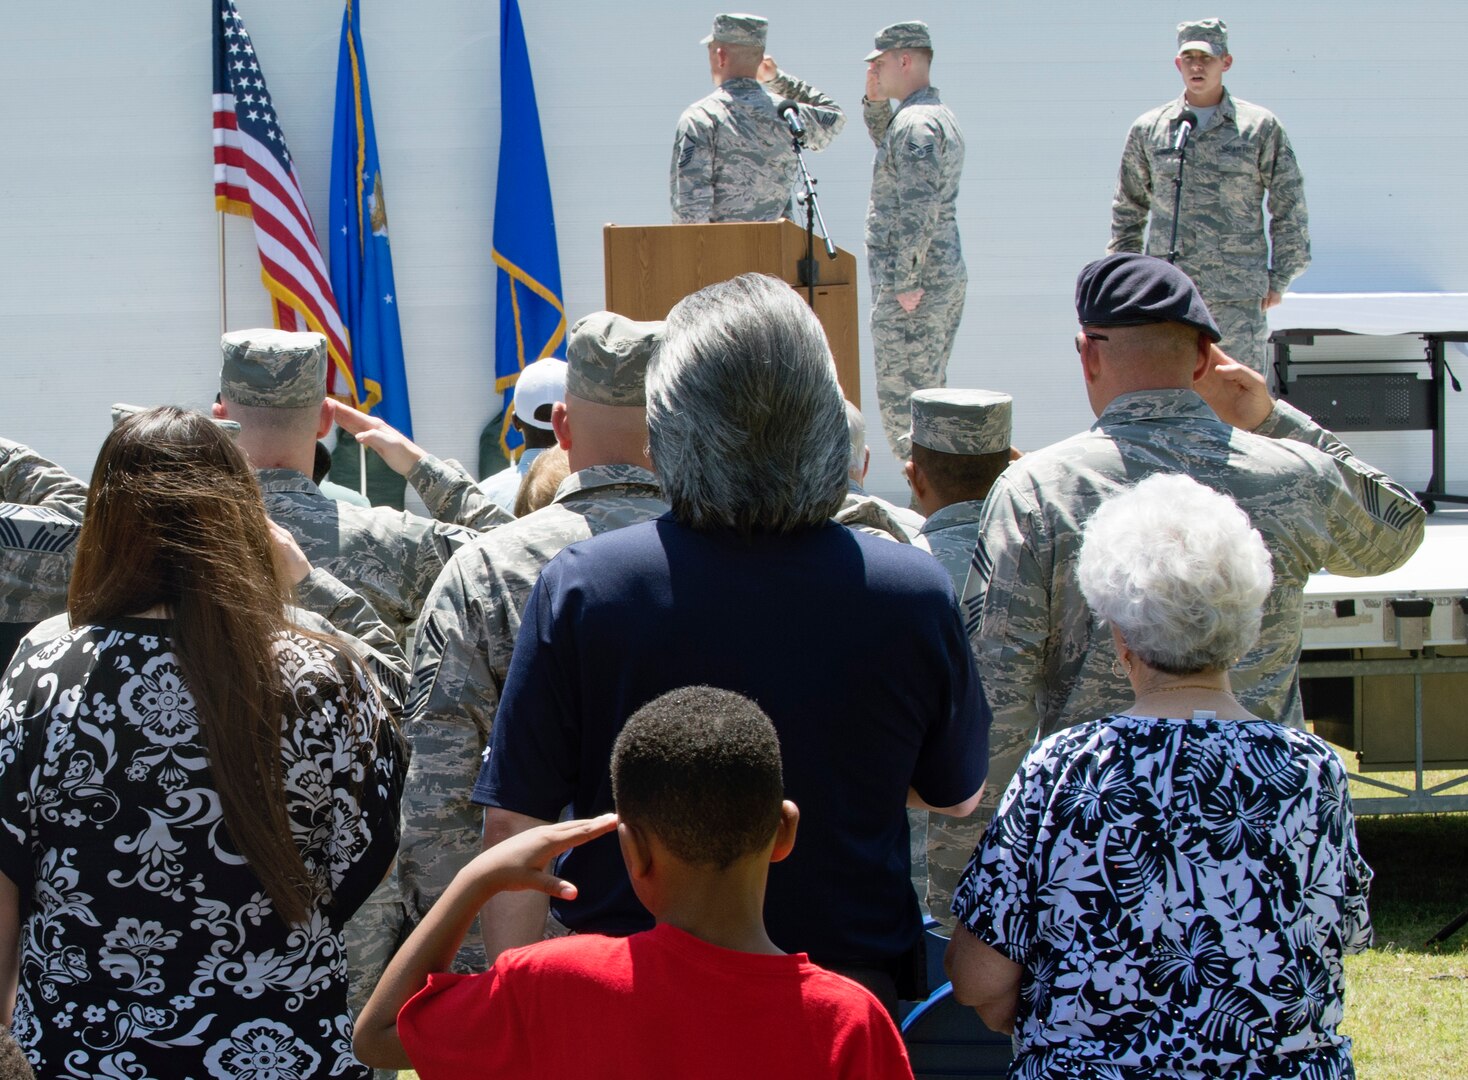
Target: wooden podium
pixel 650 268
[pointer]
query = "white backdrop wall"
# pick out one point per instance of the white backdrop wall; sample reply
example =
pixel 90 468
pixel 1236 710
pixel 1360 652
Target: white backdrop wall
pixel 108 255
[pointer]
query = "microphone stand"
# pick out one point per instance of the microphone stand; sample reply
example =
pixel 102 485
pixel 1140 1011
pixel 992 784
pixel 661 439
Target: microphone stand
pixel 1177 197
pixel 810 270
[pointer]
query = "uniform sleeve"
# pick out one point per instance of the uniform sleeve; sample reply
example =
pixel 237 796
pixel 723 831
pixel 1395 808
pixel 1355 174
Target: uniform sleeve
pixel 878 118
pixel 535 746
pixel 1374 523
pixel 1289 224
pixel 821 116
pixel 435 545
pixel 357 625
pixel 918 148
pixel 28 478
pixel 466 1025
pixel 450 494
pixel 1133 198
pixel 368 764
pixel 1006 601
pixel 691 184
pixel 461 644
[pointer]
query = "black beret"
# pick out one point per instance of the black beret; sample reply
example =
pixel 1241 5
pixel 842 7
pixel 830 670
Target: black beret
pixel 1139 290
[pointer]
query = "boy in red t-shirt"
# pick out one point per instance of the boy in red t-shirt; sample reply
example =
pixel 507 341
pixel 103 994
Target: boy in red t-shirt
pixel 700 816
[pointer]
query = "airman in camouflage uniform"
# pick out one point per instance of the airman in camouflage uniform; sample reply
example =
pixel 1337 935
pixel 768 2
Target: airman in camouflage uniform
pixel 391 557
pixel 732 155
pixel 472 616
pixel 913 252
pixel 41 507
pixel 1238 154
pixel 1046 662
pixel 967 429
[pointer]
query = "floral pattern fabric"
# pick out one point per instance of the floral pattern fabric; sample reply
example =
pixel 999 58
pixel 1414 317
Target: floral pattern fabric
pixel 1180 894
pixel 148 946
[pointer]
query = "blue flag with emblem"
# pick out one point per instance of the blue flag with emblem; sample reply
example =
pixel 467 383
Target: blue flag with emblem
pixel 530 317
pixel 361 259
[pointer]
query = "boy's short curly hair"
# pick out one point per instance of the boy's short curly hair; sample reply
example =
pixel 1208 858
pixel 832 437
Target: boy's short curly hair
pixel 700 769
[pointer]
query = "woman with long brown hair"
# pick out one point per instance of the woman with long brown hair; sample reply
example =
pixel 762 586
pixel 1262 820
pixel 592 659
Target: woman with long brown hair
pixel 196 795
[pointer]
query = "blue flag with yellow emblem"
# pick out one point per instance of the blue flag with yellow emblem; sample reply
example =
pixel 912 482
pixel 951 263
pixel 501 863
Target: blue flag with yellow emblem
pixel 361 260
pixel 530 318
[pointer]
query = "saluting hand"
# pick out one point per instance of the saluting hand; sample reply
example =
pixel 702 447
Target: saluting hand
pixel 1235 391
pixel 387 442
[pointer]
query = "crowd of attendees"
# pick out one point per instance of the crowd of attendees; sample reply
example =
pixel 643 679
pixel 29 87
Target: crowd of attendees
pixel 704 704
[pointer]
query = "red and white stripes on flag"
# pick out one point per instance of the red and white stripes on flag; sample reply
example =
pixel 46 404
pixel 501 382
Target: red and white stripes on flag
pixel 254 177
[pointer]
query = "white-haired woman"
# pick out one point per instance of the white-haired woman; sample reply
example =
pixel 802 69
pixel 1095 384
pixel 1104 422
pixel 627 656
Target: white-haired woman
pixel 1169 891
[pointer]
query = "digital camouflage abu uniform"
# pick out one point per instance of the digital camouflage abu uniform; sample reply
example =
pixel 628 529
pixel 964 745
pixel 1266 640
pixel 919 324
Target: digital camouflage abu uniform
pixel 472 617
pixel 41 506
pixel 971 423
pixel 388 556
pixel 912 239
pixel 732 158
pixel 1237 157
pixel 1046 662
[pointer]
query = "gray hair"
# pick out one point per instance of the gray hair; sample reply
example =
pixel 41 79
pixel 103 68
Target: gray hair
pixel 856 431
pixel 745 421
pixel 1178 570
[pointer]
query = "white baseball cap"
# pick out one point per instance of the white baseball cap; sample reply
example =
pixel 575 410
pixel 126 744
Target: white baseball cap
pixel 541 383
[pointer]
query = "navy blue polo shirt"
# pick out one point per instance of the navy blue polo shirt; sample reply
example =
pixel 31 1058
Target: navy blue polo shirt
pixel 853 646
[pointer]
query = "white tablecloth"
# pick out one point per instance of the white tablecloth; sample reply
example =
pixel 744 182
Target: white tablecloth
pixel 1372 313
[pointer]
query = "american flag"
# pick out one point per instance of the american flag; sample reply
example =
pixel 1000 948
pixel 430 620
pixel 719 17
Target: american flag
pixel 254 177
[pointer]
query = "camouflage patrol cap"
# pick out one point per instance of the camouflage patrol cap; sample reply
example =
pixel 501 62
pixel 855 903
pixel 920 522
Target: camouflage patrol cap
pixel 121 411
pixel 273 369
pixel 1204 35
pixel 967 422
pixel 607 358
pixel 902 35
pixel 738 30
pixel 1128 289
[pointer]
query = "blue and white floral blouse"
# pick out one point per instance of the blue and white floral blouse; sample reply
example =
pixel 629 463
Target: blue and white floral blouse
pixel 1180 894
pixel 148 947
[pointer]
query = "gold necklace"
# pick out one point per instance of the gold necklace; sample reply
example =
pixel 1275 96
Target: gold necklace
pixel 1185 686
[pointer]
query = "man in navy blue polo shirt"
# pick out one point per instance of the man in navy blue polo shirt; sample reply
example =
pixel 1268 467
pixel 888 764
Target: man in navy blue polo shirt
pixel 853 646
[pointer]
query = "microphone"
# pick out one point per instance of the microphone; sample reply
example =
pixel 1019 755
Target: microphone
pixel 790 112
pixel 1185 125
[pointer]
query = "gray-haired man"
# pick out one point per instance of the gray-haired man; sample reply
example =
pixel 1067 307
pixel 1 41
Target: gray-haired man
pixel 913 252
pixel 732 158
pixel 463 649
pixel 748 585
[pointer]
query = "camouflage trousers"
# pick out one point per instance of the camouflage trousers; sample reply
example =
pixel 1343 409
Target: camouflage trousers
pixel 911 350
pixel 917 848
pixel 372 935
pixel 951 843
pixel 1245 330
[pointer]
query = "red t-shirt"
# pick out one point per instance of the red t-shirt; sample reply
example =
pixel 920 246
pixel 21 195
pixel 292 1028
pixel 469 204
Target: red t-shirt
pixel 661 1003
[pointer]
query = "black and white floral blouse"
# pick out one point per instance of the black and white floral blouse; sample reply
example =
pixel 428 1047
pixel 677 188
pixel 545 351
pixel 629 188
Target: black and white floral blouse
pixel 148 947
pixel 1180 894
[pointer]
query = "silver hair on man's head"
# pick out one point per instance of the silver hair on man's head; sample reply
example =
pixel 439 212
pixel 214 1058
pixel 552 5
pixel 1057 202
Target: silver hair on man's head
pixel 1178 570
pixel 745 421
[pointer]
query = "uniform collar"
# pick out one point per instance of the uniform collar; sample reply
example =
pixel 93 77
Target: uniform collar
pixel 744 86
pixel 928 95
pixel 1155 405
pixel 601 476
pixel 285 480
pixel 959 513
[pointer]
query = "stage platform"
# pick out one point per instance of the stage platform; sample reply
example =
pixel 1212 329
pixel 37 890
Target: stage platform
pixel 1385 671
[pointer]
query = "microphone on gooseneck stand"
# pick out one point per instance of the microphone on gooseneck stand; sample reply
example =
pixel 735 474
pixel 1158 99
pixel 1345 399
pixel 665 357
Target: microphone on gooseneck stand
pixel 790 113
pixel 1185 125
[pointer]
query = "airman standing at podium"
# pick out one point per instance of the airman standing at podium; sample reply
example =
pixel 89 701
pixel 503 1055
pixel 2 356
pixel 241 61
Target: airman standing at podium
pixel 732 158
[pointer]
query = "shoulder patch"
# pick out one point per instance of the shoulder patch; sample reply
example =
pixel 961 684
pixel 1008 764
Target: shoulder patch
pixel 917 149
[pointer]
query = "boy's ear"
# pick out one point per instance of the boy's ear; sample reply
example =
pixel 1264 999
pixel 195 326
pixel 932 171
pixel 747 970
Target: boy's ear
pixel 785 834
pixel 636 852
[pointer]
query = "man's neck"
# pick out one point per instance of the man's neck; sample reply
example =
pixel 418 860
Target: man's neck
pixel 273 457
pixel 1217 99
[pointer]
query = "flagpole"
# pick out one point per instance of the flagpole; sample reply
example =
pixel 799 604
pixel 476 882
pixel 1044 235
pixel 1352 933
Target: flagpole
pixel 362 468
pixel 223 301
